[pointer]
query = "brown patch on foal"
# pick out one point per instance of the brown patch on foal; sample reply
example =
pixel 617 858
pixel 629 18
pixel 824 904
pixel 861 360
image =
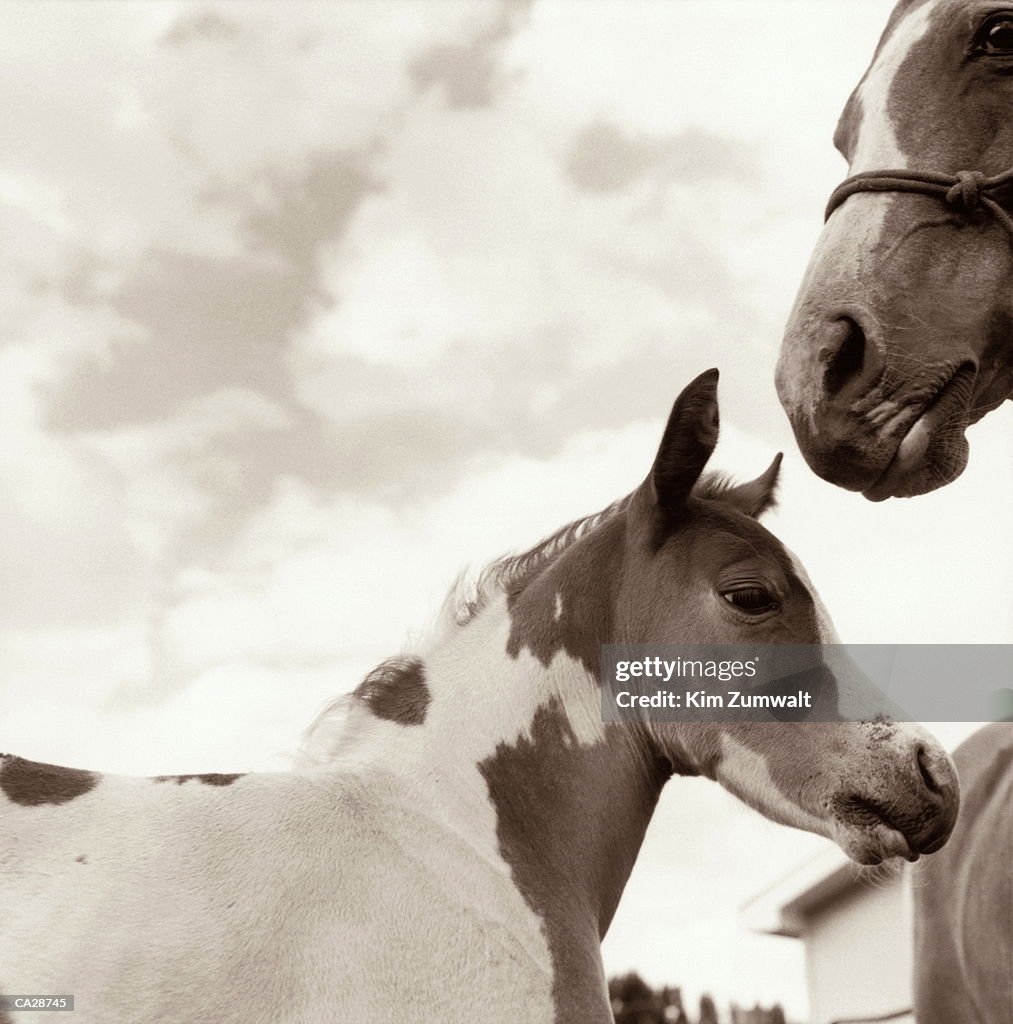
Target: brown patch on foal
pixel 570 822
pixel 396 691
pixel 208 778
pixel 568 603
pixel 32 784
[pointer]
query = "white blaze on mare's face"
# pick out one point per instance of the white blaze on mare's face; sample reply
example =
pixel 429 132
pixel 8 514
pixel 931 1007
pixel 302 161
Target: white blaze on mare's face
pixel 875 146
pixel 855 227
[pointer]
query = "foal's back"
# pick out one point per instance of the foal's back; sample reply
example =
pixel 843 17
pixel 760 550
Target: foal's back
pixel 291 897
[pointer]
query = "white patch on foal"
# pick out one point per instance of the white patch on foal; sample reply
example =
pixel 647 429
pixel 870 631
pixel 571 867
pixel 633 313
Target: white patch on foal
pixel 744 772
pixel 389 857
pixel 445 791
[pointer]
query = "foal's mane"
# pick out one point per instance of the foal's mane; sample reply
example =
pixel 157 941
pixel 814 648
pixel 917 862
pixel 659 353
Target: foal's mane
pixel 468 597
pixel 509 572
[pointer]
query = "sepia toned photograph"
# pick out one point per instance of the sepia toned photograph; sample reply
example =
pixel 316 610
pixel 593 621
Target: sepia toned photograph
pixel 506 511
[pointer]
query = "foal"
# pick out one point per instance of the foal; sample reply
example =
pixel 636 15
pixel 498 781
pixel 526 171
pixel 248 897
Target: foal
pixel 459 835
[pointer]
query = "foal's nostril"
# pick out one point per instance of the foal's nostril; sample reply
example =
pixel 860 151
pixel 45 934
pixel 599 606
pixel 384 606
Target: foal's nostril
pixel 849 359
pixel 925 770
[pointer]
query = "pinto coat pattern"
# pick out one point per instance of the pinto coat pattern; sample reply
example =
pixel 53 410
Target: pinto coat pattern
pixel 457 836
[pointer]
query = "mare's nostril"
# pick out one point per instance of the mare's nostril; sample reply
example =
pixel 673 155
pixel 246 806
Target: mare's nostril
pixel 849 359
pixel 925 770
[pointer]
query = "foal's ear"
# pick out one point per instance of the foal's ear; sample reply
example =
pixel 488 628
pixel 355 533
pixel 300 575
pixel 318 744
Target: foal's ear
pixel 758 495
pixel 688 442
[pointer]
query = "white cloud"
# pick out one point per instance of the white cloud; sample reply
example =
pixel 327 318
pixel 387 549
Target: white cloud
pixel 313 578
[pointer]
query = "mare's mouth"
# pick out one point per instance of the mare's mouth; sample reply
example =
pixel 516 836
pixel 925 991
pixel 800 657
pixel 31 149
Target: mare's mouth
pixel 933 451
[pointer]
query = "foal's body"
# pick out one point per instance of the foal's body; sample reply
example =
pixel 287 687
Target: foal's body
pixel 382 875
pixel 242 904
pixel 459 841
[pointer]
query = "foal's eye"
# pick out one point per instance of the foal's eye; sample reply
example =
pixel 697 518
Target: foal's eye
pixel 752 600
pixel 997 34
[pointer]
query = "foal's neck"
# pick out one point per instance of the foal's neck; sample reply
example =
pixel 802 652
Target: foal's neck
pixel 513 725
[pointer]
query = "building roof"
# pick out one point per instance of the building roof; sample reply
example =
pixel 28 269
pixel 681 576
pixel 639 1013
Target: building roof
pixel 784 907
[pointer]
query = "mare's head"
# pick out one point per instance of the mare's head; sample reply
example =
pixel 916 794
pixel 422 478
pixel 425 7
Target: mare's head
pixel 902 332
pixel 699 568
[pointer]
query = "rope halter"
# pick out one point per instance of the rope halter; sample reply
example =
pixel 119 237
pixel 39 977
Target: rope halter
pixel 965 191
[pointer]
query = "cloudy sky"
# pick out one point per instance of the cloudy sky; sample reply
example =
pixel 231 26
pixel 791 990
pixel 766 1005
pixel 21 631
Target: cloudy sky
pixel 305 307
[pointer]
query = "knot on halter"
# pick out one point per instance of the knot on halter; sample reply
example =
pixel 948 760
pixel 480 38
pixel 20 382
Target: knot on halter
pixel 966 193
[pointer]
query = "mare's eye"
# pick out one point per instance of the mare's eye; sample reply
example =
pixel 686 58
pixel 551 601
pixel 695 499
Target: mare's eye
pixel 752 600
pixel 997 34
